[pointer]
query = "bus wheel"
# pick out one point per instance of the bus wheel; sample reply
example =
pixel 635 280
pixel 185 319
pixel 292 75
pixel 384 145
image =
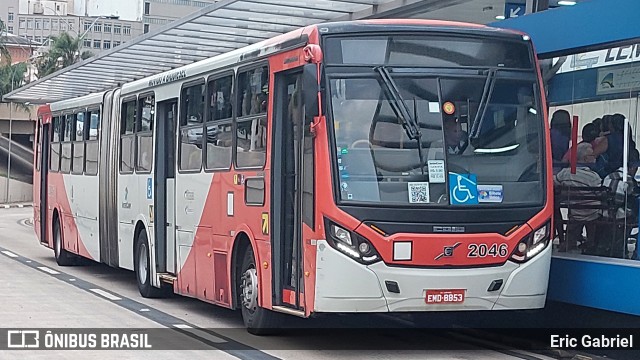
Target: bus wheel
pixel 63 257
pixel 257 320
pixel 142 268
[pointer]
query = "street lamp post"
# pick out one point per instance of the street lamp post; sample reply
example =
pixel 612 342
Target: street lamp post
pixel 13 74
pixel 61 18
pixel 90 26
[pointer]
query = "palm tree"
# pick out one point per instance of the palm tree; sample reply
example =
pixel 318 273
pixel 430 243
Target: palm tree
pixel 4 52
pixel 64 51
pixel 11 77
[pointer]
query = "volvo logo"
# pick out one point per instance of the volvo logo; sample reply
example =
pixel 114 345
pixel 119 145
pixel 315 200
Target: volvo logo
pixel 448 251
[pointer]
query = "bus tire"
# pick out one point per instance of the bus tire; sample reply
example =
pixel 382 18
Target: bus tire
pixel 142 269
pixel 63 257
pixel 257 320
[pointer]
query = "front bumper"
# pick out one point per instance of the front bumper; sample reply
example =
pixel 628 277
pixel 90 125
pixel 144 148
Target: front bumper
pixel 343 285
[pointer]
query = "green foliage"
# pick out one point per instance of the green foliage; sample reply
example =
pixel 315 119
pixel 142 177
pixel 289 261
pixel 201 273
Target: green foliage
pixel 64 51
pixel 11 77
pixel 4 52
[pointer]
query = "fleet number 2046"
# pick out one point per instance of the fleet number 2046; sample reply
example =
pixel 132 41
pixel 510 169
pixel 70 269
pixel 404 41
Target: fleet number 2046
pixel 484 250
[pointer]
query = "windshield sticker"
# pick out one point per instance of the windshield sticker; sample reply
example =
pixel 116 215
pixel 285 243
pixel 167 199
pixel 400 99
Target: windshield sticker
pixel 149 188
pixel 490 193
pixel 436 171
pixel 418 192
pixel 448 108
pixel 434 107
pixel 463 189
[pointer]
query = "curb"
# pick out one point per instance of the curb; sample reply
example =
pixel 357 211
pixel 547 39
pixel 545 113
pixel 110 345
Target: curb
pixel 535 347
pixel 10 206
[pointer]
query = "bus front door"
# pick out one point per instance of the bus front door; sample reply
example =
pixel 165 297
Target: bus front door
pixel 288 184
pixel 165 186
pixel 44 167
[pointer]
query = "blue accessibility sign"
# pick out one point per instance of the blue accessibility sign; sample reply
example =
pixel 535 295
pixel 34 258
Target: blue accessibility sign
pixel 463 189
pixel 149 188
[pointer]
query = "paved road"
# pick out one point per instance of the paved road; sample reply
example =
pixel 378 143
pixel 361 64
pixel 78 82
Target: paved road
pixel 38 293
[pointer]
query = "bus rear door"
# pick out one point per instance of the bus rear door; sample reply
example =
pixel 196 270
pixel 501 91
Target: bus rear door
pixel 43 163
pixel 165 186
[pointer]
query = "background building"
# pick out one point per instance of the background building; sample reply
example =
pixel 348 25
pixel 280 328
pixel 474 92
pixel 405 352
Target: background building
pixel 157 13
pixel 20 49
pixel 39 20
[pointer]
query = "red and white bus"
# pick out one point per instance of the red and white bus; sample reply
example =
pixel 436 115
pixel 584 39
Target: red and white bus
pixel 368 166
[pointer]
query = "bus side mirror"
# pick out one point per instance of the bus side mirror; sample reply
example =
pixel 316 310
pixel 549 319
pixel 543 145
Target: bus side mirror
pixel 310 89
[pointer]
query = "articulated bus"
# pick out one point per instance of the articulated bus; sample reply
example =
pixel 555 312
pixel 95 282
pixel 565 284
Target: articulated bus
pixel 366 166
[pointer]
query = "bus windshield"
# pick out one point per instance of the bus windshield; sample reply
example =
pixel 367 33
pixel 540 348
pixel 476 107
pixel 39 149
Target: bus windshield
pixel 480 139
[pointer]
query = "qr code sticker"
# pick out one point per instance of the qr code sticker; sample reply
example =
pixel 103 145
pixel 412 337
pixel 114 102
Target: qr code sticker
pixel 418 192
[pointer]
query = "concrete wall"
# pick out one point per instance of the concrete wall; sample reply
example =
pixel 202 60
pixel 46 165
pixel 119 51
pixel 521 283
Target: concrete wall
pixel 23 120
pixel 18 112
pixel 19 192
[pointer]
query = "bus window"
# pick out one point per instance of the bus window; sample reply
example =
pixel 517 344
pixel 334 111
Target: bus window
pixel 253 89
pixel 219 141
pixel 69 132
pixel 251 129
pixel 191 127
pixel 192 105
pixel 69 128
pixel 127 137
pixel 251 140
pixel 144 136
pixel 54 157
pixel 77 165
pixel 219 135
pixel 92 144
pixel 220 104
pixel 94 125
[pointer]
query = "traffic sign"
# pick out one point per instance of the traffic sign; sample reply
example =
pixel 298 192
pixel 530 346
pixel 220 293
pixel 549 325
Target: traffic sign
pixel 512 10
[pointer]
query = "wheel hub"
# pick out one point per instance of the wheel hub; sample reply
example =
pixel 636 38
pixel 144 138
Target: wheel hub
pixel 57 243
pixel 249 287
pixel 143 267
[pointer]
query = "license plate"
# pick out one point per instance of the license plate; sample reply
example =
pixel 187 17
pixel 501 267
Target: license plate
pixel 445 296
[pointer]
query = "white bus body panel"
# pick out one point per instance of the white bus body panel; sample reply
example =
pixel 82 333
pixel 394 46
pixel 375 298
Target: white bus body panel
pixel 364 290
pixel 82 193
pixel 191 194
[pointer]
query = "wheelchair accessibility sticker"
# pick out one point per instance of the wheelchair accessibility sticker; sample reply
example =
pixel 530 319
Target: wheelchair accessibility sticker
pixel 463 189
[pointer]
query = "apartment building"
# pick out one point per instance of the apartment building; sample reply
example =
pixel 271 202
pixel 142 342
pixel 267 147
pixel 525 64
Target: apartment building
pixel 157 13
pixel 40 20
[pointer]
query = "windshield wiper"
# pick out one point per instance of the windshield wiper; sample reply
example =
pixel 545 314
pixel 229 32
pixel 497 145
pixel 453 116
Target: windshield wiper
pixel 489 84
pixel 400 108
pixel 398 105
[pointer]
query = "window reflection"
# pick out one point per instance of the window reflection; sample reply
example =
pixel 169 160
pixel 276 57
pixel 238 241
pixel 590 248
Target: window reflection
pixel 604 100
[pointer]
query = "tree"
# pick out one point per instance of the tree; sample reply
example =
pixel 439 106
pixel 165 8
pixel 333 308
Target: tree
pixel 64 51
pixel 11 77
pixel 4 52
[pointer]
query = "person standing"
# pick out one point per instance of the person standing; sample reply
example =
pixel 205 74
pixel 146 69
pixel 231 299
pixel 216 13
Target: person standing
pixel 560 134
pixel 583 217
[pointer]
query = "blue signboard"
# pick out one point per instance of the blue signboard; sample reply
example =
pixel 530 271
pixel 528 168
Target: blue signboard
pixel 149 188
pixel 463 189
pixel 512 10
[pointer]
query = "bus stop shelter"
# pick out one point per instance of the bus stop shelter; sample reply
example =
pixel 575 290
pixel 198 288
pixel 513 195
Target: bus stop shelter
pixel 218 28
pixel 600 40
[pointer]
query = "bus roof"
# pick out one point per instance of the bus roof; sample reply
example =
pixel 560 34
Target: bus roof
pixel 81 102
pixel 302 35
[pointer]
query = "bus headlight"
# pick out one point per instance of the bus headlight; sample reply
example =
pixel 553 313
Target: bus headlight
pixel 532 244
pixel 341 235
pixel 351 244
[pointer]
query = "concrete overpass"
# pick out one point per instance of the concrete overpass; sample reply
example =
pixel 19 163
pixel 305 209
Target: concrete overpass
pixel 19 123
